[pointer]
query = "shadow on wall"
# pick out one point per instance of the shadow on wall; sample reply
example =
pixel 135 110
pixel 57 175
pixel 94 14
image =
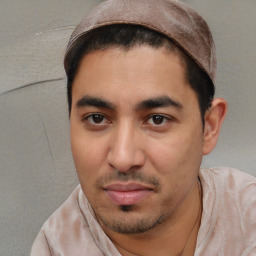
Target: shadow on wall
pixel 37 172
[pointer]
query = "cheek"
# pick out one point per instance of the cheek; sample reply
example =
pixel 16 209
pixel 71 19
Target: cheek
pixel 176 162
pixel 176 153
pixel 167 153
pixel 87 155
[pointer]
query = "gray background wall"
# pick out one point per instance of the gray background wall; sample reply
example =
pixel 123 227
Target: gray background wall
pixel 36 168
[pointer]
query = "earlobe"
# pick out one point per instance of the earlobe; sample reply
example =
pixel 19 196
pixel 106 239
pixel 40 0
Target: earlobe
pixel 214 118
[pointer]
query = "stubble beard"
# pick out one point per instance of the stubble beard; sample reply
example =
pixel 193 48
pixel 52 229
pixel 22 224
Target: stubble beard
pixel 139 225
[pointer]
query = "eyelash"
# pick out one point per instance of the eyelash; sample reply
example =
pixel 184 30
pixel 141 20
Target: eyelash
pixel 165 118
pixel 86 118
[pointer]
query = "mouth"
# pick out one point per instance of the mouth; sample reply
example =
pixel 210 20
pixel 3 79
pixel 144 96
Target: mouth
pixel 127 194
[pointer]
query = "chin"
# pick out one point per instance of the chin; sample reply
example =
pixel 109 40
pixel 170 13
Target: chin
pixel 127 221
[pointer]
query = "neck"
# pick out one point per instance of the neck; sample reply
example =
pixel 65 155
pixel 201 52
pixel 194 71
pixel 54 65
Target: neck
pixel 175 237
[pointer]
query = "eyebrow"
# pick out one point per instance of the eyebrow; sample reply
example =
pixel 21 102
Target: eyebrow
pixel 163 101
pixel 94 102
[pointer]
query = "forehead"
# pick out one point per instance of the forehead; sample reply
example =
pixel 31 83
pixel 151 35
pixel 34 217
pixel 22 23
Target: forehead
pixel 131 74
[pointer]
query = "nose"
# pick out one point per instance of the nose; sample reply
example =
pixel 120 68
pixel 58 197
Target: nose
pixel 126 149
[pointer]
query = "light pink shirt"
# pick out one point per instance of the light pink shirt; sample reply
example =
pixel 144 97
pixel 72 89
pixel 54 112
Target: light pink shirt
pixel 228 224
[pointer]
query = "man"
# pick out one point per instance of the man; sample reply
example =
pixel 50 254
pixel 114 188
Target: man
pixel 142 114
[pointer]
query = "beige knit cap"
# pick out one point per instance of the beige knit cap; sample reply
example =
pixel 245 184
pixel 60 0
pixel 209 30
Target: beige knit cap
pixel 172 18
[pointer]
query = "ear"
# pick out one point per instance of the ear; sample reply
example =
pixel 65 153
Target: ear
pixel 213 121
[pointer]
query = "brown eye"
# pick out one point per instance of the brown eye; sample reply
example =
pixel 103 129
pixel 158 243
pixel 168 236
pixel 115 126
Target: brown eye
pixel 96 119
pixel 157 119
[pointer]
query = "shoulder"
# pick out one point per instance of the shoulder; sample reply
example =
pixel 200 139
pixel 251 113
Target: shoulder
pixel 68 211
pixel 67 232
pixel 228 174
pixel 230 185
pixel 229 209
pixel 228 180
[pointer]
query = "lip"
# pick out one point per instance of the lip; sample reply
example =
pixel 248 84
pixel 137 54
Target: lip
pixel 127 194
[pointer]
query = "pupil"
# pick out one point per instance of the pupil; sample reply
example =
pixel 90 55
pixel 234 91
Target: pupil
pixel 158 119
pixel 97 118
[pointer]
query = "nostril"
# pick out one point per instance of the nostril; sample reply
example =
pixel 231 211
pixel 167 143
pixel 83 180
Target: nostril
pixel 126 163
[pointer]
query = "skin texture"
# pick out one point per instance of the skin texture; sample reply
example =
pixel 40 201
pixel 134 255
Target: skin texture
pixel 126 134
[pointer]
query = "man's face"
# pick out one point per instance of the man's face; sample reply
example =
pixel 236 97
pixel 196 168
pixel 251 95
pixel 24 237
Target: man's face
pixel 136 136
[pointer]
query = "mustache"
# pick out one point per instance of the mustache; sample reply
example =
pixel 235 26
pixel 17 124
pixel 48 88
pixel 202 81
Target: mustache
pixel 131 175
